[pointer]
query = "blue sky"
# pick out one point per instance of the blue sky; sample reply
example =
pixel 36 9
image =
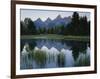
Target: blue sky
pixel 44 14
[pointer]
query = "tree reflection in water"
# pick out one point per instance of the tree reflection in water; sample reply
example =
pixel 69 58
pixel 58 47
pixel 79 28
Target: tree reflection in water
pixel 53 54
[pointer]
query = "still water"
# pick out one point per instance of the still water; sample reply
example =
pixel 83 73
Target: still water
pixel 45 53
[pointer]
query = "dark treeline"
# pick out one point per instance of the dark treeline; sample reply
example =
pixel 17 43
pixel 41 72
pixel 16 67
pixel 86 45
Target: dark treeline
pixel 27 27
pixel 79 26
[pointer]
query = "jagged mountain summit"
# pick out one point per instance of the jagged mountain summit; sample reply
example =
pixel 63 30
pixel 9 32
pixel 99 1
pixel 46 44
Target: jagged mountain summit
pixel 48 23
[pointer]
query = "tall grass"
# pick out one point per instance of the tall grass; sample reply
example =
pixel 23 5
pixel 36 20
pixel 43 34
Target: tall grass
pixel 40 57
pixel 83 61
pixel 61 59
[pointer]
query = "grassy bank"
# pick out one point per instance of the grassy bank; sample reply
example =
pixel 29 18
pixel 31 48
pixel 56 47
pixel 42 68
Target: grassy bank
pixel 56 37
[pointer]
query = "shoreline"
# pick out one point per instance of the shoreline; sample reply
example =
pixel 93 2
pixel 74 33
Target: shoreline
pixel 56 37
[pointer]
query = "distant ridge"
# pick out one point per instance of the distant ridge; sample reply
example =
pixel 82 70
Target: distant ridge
pixel 48 23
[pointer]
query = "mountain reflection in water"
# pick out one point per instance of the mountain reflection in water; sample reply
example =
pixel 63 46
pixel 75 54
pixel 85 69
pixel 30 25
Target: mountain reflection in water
pixel 46 53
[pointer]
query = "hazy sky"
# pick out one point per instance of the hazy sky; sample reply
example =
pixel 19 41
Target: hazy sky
pixel 44 14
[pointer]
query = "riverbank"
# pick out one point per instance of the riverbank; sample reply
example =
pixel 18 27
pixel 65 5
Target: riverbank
pixel 56 37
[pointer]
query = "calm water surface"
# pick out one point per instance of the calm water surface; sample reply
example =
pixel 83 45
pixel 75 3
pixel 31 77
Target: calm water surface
pixel 44 53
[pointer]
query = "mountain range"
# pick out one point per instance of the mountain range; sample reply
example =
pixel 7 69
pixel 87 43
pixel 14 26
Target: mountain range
pixel 49 23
